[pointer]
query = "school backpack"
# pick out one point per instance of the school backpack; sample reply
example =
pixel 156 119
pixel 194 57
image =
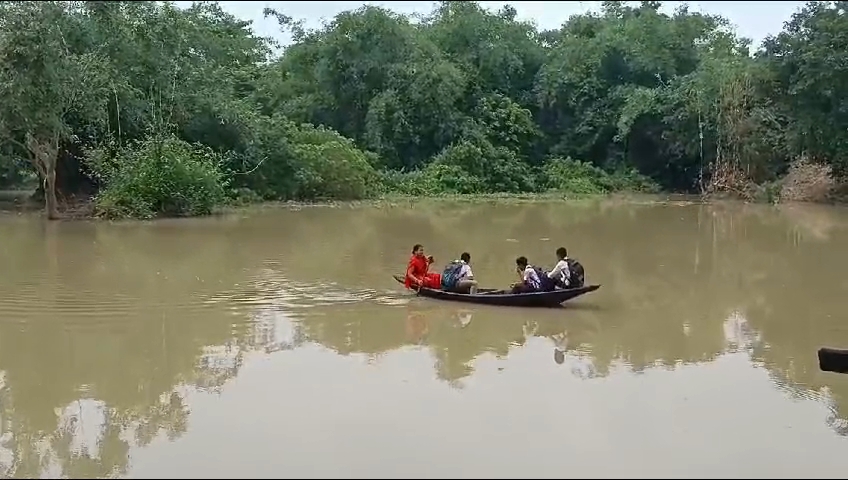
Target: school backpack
pixel 450 275
pixel 578 275
pixel 547 284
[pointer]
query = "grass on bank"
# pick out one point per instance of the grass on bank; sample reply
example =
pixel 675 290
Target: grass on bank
pixel 167 177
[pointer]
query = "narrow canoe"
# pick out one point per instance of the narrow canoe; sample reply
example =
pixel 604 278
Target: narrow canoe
pixel 833 360
pixel 487 296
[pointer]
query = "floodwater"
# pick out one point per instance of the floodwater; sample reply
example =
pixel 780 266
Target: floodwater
pixel 274 343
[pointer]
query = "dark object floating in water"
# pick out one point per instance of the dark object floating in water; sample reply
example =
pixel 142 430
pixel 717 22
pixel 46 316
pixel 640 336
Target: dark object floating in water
pixel 489 296
pixel 833 360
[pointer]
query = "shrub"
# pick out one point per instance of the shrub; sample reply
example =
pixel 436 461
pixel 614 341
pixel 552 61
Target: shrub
pixel 583 178
pixel 328 165
pixel 807 182
pixel 284 161
pixel 15 172
pixel 574 176
pixel 160 176
pixel 433 180
pixel 499 169
pixel 630 181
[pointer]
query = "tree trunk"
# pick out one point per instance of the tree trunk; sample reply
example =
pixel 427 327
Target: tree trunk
pixel 44 155
pixel 72 176
pixel 50 192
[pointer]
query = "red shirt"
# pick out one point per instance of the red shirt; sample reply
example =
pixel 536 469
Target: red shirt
pixel 416 270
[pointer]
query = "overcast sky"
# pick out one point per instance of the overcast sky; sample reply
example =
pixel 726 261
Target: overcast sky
pixel 754 20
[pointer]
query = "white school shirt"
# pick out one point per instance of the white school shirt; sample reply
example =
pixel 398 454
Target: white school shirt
pixel 531 278
pixel 465 271
pixel 561 271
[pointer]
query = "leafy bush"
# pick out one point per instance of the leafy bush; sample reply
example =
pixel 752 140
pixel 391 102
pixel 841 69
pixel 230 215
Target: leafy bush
pixel 630 180
pixel 285 161
pixel 498 168
pixel 160 176
pixel 574 176
pixel 265 165
pixel 328 165
pixel 433 180
pixel 14 173
pixel 582 178
pixel 805 181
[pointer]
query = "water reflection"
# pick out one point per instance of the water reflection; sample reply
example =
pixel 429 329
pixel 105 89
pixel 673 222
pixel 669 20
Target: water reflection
pixel 83 426
pixel 687 296
pixel 108 333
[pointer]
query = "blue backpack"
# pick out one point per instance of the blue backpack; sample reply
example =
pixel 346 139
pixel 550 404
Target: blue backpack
pixel 451 274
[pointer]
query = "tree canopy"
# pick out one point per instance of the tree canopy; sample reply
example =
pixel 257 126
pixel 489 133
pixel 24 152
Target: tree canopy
pixel 161 110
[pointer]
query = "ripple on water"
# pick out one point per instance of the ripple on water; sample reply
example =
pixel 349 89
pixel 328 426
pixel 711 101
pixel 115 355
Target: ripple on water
pixel 31 302
pixel 271 288
pixel 267 288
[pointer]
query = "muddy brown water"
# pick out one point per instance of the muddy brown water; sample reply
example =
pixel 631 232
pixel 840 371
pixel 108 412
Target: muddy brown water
pixel 274 343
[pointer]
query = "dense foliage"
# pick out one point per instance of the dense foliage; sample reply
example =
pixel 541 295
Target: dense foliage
pixel 187 106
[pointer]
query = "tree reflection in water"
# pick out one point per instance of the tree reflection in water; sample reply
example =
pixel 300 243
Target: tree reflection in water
pixel 90 440
pixel 721 279
pixel 712 284
pixel 91 426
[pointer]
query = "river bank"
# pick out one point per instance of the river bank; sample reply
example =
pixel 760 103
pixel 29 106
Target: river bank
pixel 84 208
pixel 21 201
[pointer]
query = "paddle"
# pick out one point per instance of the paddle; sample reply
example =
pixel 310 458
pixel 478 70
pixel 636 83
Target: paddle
pixel 430 261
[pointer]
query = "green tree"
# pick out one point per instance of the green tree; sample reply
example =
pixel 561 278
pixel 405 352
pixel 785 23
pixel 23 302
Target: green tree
pixel 44 83
pixel 809 66
pixel 461 100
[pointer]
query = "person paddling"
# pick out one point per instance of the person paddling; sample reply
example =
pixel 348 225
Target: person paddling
pixel 417 274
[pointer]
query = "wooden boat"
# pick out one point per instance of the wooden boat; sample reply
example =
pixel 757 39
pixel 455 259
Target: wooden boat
pixel 490 296
pixel 833 360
